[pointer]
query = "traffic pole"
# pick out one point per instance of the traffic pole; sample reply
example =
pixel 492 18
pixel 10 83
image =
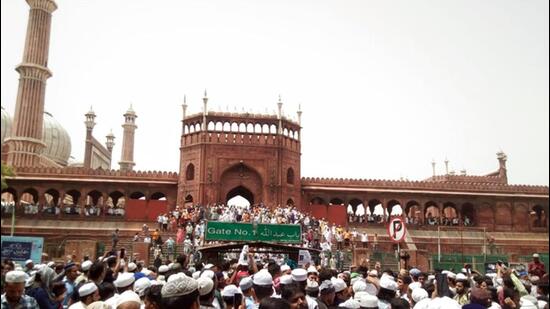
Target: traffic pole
pixel 438 245
pixel 12 220
pixel 398 256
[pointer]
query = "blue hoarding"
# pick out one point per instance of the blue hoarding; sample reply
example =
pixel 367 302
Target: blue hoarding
pixel 20 248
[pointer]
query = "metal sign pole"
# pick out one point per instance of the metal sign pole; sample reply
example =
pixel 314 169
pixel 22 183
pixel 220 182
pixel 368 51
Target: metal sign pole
pixel 484 245
pixel 438 245
pixel 12 220
pixel 398 256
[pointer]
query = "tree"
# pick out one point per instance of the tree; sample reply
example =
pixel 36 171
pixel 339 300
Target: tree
pixel 7 171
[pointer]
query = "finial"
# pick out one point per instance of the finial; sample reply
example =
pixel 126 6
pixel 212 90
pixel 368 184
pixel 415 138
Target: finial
pixel 185 99
pixel 279 97
pixel 205 94
pixel 90 112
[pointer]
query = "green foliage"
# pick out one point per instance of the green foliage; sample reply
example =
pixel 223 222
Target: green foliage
pixel 7 171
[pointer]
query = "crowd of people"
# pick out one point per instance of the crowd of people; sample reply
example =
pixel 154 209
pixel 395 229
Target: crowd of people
pixel 410 220
pixel 114 280
pixel 252 280
pixel 32 208
pixel 189 226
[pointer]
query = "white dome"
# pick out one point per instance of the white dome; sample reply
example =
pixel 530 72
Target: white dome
pixel 58 141
pixel 6 124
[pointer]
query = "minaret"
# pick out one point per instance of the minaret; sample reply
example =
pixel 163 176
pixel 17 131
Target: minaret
pixel 433 168
pixel 110 143
pixel 280 115
pixel 205 111
pixel 25 144
pixel 299 112
pixel 90 123
pixel 127 159
pixel 446 166
pixel 184 108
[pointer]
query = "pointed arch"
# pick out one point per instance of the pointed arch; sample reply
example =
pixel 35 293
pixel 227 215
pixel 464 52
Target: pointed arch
pixel 137 195
pixel 190 172
pixel 211 126
pixel 394 208
pixel 92 198
pixel 158 196
pixel 241 191
pixel 290 176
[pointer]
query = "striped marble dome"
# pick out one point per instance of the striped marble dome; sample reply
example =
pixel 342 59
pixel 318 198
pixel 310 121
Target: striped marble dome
pixel 6 124
pixel 58 141
pixel 56 138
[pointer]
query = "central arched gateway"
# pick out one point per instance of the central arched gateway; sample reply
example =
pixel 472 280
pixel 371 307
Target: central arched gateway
pixel 242 191
pixel 242 180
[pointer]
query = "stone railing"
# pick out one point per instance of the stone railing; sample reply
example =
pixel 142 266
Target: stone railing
pixel 424 185
pixel 87 172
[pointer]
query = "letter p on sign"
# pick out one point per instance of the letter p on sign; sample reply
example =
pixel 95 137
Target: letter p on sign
pixel 396 230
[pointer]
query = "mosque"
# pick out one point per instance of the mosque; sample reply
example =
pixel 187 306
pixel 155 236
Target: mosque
pixel 228 154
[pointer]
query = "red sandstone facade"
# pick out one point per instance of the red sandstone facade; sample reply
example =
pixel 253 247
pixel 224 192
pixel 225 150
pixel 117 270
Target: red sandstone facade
pixel 255 156
pixel 223 155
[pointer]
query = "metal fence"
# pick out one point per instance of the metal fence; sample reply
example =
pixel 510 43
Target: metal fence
pixel 455 262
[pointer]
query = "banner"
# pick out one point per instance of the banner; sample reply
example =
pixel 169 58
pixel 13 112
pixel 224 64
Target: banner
pixel 227 231
pixel 20 249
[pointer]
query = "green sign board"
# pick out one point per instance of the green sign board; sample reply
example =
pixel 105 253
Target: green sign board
pixel 227 231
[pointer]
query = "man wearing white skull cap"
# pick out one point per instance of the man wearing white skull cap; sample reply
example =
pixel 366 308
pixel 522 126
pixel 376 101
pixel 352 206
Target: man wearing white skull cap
pixel 128 300
pixel 85 268
pixel 417 295
pixel 387 292
pixel 341 290
pixel 367 301
pixel 14 291
pixel 262 285
pixel 123 282
pixel 88 294
pixel 29 265
pixel 232 296
pixel 182 292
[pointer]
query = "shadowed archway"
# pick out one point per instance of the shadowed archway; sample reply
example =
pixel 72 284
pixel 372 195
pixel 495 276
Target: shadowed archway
pixel 242 180
pixel 240 191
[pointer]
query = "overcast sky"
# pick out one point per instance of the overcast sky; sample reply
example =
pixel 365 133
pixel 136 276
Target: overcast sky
pixel 385 86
